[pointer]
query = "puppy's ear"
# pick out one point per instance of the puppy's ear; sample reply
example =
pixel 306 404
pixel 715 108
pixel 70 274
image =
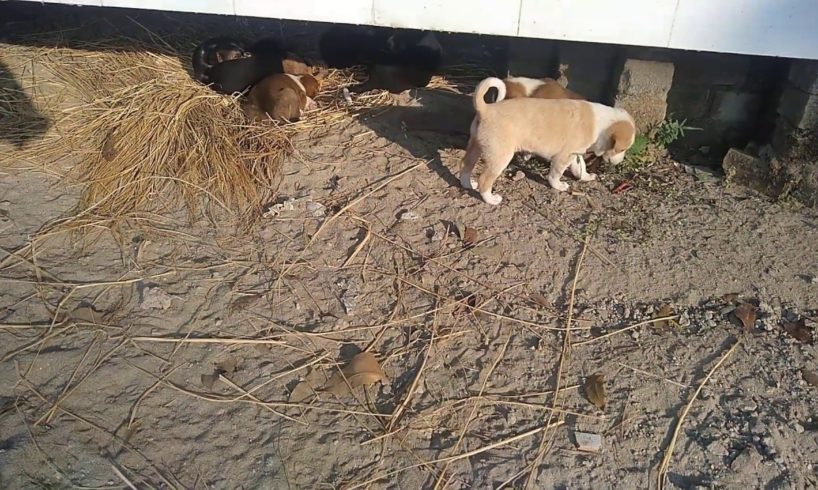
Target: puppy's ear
pixel 622 134
pixel 311 85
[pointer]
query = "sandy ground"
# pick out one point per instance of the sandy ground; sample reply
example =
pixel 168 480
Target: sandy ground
pixel 110 340
pixel 386 276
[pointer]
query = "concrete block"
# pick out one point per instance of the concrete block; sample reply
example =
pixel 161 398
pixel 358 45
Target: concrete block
pixel 691 102
pixel 804 75
pixel 799 108
pixel 748 170
pixel 736 108
pixel 642 91
pixel 587 69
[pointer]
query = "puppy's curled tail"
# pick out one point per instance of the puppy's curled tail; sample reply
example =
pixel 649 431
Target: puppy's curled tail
pixel 483 87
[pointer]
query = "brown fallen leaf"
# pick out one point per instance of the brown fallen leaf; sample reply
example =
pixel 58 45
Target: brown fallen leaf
pixel 746 313
pixel 469 236
pixel 799 331
pixel 595 390
pixel 539 299
pixel 363 370
pixel 664 312
pixel 810 377
pixel 307 388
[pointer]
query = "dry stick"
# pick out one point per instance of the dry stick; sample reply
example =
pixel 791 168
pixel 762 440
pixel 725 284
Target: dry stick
pixel 458 457
pixel 566 347
pixel 245 393
pixel 656 376
pixel 663 466
pixel 474 408
pixel 626 329
pixel 398 411
pixel 122 477
pixel 211 340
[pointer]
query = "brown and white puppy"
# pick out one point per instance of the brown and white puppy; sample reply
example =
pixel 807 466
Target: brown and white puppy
pixel 559 130
pixel 281 97
pixel 537 88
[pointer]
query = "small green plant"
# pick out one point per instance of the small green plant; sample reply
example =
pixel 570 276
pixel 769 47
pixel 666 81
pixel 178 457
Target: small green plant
pixel 669 131
pixel 647 148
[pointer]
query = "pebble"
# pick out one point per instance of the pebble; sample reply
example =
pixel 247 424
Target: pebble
pixel 684 319
pixel 409 216
pixel 717 448
pixel 798 428
pixel 155 299
pixel 518 175
pixel 814 279
pixel 316 209
pixel 588 442
pixel 747 461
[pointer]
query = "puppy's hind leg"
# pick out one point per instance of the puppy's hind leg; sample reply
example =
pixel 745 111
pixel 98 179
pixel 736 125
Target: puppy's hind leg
pixel 496 162
pixel 578 168
pixel 559 164
pixel 469 161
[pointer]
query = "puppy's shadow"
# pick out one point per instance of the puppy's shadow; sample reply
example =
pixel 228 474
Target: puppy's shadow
pixel 440 121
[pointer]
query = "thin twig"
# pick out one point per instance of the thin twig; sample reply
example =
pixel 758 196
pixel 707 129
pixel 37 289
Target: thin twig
pixel 626 329
pixel 663 466
pixel 566 347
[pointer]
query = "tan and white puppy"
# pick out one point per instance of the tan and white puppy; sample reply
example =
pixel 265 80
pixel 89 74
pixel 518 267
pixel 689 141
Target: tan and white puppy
pixel 560 130
pixel 281 97
pixel 537 88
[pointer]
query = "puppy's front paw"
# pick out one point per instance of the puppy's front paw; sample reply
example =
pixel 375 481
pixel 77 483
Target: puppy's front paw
pixel 558 185
pixel 467 182
pixel 493 199
pixel 588 177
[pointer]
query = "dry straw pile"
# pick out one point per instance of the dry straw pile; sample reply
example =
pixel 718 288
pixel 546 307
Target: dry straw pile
pixel 143 135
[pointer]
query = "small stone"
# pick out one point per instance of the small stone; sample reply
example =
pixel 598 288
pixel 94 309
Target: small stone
pixel 407 215
pixel 350 300
pixel 814 279
pixel 635 335
pixel 588 442
pixel 435 234
pixel 798 428
pixel 747 461
pixel 518 175
pixel 316 209
pixel 717 448
pixel 154 298
pixel 684 319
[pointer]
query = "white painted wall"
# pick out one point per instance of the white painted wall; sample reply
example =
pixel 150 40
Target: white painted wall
pixel 787 28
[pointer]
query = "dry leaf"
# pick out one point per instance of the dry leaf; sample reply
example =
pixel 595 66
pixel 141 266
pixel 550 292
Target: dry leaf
pixel 227 366
pixel 664 312
pixel 810 377
pixel 469 236
pixel 799 331
pixel 208 380
pixel 747 314
pixel 306 389
pixel 595 390
pixel 539 299
pixel 363 370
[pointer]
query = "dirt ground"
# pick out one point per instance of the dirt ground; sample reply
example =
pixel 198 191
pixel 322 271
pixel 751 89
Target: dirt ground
pixel 185 356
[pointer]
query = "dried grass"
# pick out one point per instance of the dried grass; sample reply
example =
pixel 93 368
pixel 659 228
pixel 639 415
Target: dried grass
pixel 144 137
